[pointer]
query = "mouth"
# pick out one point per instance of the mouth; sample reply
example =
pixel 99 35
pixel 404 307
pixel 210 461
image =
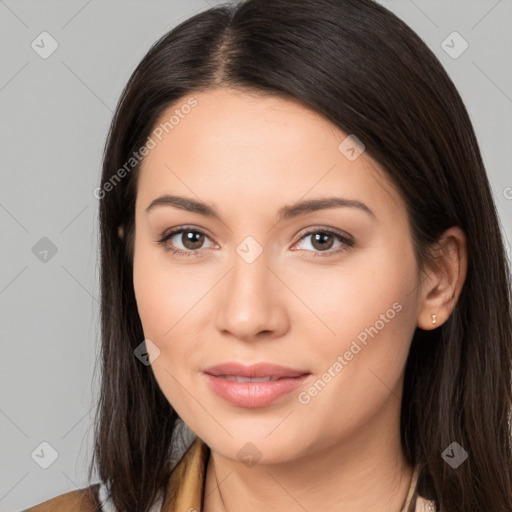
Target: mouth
pixel 259 370
pixel 253 386
pixel 239 378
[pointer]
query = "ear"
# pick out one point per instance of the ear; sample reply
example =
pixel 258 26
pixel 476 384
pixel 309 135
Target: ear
pixel 120 232
pixel 444 279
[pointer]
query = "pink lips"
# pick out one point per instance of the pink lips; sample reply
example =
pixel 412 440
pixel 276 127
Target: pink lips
pixel 230 382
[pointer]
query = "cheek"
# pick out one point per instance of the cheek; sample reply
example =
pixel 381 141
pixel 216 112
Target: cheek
pixel 162 292
pixel 171 304
pixel 372 316
pixel 368 311
pixel 369 293
pixel 165 303
pixel 149 283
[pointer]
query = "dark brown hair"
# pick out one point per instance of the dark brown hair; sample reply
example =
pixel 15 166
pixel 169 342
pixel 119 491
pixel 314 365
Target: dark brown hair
pixel 365 70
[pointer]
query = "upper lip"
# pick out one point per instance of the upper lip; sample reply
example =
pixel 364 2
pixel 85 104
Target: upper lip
pixel 253 370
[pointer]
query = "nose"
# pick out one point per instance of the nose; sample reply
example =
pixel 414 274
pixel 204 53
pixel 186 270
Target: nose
pixel 250 303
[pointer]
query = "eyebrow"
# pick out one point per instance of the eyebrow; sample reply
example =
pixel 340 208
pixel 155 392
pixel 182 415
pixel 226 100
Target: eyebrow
pixel 286 212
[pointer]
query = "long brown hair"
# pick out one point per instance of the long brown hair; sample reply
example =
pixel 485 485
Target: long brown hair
pixel 371 75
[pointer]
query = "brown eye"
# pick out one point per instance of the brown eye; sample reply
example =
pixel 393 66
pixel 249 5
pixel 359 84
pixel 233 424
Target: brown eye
pixel 192 239
pixel 184 241
pixel 322 241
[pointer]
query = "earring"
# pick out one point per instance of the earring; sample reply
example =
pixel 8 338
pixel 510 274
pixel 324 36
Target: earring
pixel 434 319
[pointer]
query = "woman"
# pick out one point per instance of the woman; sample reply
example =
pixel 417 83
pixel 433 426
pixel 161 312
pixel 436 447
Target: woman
pixel 302 267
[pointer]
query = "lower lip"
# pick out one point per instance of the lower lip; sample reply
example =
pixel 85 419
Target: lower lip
pixel 254 394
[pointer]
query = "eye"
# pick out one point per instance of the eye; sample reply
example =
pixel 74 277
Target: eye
pixel 190 238
pixel 322 241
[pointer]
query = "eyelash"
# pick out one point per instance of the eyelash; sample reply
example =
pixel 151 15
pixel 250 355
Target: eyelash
pixel 348 242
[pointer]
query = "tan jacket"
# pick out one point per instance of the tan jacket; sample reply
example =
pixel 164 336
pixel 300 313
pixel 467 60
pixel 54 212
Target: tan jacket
pixel 184 490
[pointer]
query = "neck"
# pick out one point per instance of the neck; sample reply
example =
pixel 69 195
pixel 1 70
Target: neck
pixel 364 471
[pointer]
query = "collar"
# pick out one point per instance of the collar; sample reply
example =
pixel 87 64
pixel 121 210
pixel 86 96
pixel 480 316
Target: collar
pixel 186 484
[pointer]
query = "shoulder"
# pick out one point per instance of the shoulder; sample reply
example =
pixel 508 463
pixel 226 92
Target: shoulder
pixel 81 500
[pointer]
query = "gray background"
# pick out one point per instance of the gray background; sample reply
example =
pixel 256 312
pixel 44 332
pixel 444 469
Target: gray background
pixel 55 113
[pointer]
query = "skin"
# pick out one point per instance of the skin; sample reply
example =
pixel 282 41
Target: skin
pixel 248 156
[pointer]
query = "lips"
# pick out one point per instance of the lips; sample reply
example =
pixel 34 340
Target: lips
pixel 259 370
pixel 255 385
pixel 238 378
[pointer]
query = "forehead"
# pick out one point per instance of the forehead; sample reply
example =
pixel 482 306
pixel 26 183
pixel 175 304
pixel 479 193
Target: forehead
pixel 241 148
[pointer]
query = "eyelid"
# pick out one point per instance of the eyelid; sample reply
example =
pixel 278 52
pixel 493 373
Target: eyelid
pixel 174 231
pixel 322 229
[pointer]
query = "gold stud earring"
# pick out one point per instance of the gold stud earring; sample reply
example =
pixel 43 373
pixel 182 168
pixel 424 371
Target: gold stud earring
pixel 434 319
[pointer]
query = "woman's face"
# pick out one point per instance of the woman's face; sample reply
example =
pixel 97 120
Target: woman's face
pixel 331 294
